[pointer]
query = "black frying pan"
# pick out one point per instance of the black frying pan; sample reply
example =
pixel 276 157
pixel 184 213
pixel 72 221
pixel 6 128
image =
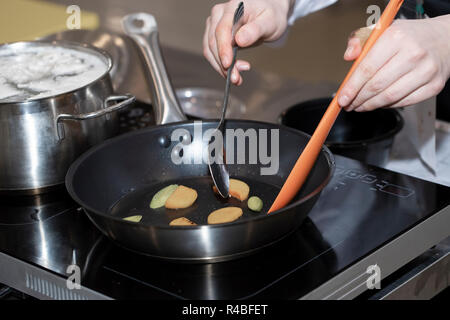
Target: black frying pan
pixel 119 178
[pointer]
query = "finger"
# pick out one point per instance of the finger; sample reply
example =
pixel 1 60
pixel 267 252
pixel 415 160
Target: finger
pixel 353 49
pixel 235 75
pixel 347 109
pixel 205 36
pixel 209 56
pixel 392 71
pixel 223 33
pixel 397 91
pixel 242 65
pixel 216 16
pixel 207 50
pixel 241 80
pixel 251 32
pixel 382 51
pixel 423 93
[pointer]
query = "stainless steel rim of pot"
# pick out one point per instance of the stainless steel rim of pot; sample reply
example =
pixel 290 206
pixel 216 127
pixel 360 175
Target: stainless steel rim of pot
pixel 143 29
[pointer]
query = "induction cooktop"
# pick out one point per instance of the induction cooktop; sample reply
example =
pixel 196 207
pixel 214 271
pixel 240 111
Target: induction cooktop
pixel 366 216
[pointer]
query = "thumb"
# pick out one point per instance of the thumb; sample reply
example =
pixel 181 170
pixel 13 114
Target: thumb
pixel 353 49
pixel 356 42
pixel 253 31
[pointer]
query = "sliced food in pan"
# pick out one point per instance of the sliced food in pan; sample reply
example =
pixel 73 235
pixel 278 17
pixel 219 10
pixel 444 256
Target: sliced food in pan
pixel 183 197
pixel 182 222
pixel 224 215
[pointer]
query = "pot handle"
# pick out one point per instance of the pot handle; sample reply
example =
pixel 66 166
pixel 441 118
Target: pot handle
pixel 127 100
pixel 143 30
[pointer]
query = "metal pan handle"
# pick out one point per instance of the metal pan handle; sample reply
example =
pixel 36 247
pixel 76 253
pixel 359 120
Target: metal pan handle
pixel 127 100
pixel 143 29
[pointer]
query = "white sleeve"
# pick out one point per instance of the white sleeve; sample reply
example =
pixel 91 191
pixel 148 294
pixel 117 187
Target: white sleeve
pixel 305 7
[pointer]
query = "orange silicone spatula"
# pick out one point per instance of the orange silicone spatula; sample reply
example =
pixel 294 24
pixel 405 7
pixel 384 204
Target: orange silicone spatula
pixel 309 155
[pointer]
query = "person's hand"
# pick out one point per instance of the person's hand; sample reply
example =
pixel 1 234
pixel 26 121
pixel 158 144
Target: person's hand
pixel 408 64
pixel 263 20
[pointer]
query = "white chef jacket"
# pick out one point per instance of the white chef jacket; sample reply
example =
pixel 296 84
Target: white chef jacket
pixel 301 8
pixel 305 7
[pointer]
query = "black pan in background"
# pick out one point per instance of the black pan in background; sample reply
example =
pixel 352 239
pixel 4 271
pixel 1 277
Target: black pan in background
pixel 443 104
pixel 365 136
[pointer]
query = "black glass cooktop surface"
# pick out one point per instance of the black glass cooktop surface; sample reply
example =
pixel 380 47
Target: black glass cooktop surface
pixel 362 208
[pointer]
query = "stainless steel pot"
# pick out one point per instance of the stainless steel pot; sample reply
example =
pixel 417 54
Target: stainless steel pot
pixel 39 139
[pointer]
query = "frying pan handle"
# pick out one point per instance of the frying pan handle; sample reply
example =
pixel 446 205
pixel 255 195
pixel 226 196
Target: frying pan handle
pixel 143 29
pixel 127 99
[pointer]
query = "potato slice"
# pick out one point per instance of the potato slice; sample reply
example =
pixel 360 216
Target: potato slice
pixel 182 222
pixel 182 197
pixel 225 215
pixel 238 189
pixel 255 204
pixel 160 198
pixel 136 218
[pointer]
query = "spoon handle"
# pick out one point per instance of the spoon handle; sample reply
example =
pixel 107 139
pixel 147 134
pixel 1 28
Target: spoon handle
pixel 227 86
pixel 218 167
pixel 237 17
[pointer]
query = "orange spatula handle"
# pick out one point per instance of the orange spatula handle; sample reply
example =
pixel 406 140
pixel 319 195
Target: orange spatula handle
pixel 309 155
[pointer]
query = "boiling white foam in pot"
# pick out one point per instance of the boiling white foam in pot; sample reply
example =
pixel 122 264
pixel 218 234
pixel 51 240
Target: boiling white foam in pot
pixel 30 73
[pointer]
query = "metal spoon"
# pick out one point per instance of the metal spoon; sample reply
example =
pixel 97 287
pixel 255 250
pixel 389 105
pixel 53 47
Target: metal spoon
pixel 217 166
